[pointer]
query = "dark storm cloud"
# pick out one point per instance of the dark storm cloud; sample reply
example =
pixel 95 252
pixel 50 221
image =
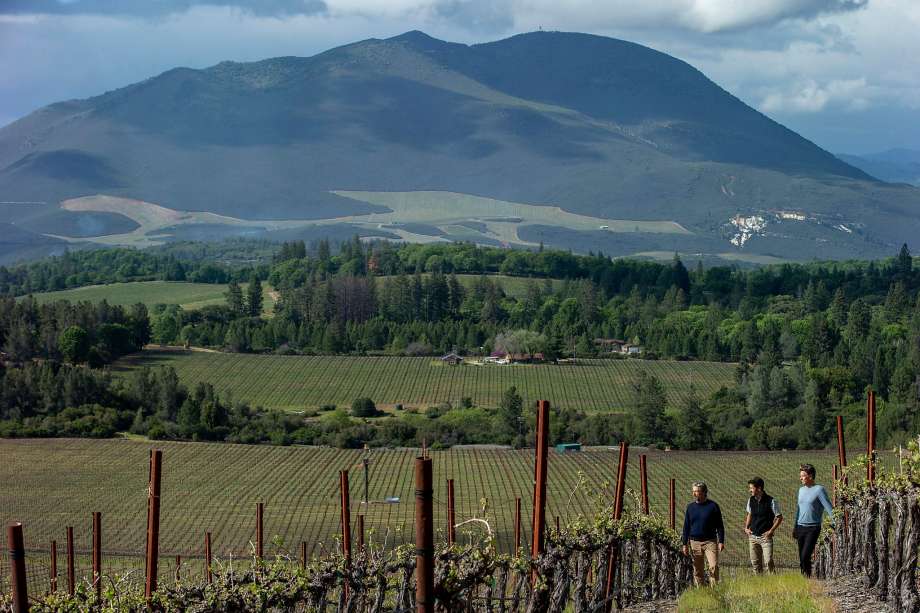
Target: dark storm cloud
pixel 157 8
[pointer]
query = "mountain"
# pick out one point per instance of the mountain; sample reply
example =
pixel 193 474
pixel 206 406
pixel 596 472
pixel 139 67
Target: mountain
pixel 572 140
pixel 893 165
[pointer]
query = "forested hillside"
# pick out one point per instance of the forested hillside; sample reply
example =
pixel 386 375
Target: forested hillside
pixel 807 339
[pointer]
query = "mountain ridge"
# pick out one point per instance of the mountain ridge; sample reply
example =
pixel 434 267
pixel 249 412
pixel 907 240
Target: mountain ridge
pixel 594 125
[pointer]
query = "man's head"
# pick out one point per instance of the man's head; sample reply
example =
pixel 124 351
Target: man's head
pixel 807 474
pixel 700 491
pixel 755 486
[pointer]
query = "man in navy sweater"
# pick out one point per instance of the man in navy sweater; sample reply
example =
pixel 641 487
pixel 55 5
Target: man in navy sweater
pixel 704 534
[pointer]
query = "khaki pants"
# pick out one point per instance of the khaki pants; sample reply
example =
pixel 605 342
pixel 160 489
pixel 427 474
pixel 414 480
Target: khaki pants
pixel 761 553
pixel 708 550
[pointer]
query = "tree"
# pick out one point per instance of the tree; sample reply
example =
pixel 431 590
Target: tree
pixel 510 415
pixel 235 299
pixel 650 424
pixel 74 344
pixel 364 407
pixel 254 297
pixel 905 262
pixel 693 428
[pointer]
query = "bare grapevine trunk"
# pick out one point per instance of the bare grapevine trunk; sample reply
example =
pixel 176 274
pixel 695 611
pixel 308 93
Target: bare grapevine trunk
pixel 900 529
pixel 882 547
pixel 909 599
pixel 870 560
pixel 579 594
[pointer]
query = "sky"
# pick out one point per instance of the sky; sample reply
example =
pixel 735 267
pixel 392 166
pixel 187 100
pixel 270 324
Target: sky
pixel 842 73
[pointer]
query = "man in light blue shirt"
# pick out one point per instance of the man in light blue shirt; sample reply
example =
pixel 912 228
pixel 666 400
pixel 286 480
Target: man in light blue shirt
pixel 813 502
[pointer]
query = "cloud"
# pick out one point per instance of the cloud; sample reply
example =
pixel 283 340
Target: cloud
pixel 726 15
pixel 812 97
pixel 157 8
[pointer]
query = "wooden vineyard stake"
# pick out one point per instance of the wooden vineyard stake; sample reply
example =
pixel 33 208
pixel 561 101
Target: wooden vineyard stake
pixel 208 575
pixel 17 568
pixel 424 537
pixel 643 476
pixel 617 514
pixel 97 555
pixel 260 517
pixel 153 524
pixel 517 525
pixel 539 492
pixel 451 519
pixel 54 573
pixel 71 578
pixel 672 505
pixel 870 437
pixel 345 515
pixel 303 554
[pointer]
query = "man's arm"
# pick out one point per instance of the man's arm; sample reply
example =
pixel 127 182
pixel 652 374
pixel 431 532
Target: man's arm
pixel 747 523
pixel 720 527
pixel 686 535
pixel 777 519
pixel 826 502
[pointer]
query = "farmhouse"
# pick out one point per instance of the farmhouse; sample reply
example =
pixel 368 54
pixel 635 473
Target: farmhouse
pixel 503 357
pixel 452 359
pixel 609 345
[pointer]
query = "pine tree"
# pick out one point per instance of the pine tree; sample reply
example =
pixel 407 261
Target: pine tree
pixel 235 299
pixel 254 297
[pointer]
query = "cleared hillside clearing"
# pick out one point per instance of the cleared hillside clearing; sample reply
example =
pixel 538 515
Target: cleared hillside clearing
pixel 186 295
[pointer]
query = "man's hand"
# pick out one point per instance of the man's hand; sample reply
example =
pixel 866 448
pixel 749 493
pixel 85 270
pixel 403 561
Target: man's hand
pixel 768 534
pixel 721 547
pixel 747 531
pixel 686 550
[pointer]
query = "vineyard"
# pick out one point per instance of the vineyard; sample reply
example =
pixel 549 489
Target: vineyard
pixel 187 295
pixel 299 382
pixel 50 484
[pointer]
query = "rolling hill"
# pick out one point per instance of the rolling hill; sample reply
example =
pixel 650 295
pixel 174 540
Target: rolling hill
pixel 568 139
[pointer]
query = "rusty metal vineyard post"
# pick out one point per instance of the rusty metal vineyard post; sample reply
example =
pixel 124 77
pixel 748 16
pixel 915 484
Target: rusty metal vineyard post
pixel 17 568
pixel 424 537
pixel 153 523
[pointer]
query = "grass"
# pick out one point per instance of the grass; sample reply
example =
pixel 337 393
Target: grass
pixel 299 382
pixel 787 592
pixel 214 487
pixel 187 295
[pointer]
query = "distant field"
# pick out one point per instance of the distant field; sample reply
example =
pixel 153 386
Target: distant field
pixel 297 382
pixel 216 486
pixel 187 295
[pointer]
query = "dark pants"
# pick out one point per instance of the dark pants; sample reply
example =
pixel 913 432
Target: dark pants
pixel 807 538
